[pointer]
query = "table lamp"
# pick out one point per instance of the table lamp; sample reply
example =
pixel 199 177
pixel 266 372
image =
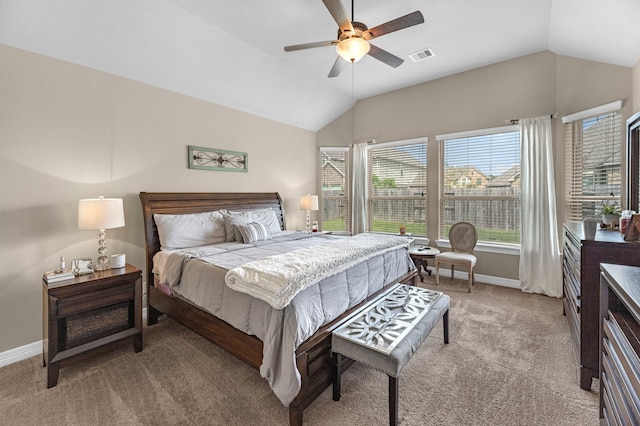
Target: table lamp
pixel 100 214
pixel 309 202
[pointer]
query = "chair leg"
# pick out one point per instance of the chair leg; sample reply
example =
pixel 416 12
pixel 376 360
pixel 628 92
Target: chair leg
pixel 451 272
pixel 437 272
pixel 470 278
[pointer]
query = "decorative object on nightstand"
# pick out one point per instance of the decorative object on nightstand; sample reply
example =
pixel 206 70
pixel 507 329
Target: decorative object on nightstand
pixel 58 275
pixel 309 203
pixel 100 214
pixel 89 314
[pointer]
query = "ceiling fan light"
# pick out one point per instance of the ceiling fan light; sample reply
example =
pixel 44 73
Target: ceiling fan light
pixel 352 49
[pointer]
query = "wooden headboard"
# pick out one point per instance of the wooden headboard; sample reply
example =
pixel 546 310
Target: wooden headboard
pixel 198 202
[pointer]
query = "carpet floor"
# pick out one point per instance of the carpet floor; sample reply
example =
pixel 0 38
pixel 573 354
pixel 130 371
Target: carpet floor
pixel 509 362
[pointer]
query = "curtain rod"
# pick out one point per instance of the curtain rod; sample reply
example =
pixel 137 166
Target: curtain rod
pixel 514 121
pixel 369 142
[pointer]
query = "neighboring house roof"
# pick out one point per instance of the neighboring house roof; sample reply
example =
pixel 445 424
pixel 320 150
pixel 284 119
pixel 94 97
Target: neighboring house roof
pixel 334 170
pixel 413 171
pixel 463 176
pixel 600 155
pixel 509 178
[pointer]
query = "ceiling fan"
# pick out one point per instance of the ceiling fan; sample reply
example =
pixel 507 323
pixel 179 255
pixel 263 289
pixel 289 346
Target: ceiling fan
pixel 353 37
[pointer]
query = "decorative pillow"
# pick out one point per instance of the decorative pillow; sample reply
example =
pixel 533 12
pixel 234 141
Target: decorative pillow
pixel 231 220
pixel 253 232
pixel 189 230
pixel 268 218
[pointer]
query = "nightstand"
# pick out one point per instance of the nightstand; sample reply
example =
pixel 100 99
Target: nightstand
pixel 420 255
pixel 90 314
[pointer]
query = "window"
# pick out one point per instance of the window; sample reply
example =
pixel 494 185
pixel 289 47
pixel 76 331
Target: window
pixel 397 174
pixel 593 152
pixel 480 183
pixel 333 200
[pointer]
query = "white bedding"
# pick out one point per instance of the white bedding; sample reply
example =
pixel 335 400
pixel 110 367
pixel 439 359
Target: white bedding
pixel 197 274
pixel 278 279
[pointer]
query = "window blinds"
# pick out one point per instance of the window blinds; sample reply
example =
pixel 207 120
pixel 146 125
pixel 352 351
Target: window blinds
pixel 398 187
pixel 334 201
pixel 593 164
pixel 480 183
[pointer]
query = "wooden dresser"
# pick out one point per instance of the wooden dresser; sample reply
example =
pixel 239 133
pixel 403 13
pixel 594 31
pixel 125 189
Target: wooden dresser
pixel 581 288
pixel 620 333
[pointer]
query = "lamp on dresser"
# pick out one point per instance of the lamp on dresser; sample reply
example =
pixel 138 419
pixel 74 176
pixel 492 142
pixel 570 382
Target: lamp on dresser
pixel 309 203
pixel 101 214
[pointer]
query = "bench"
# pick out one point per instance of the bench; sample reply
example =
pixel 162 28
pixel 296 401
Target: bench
pixel 387 332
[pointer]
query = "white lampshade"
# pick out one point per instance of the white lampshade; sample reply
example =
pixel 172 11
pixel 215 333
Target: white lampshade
pixel 309 202
pixel 353 49
pixel 100 213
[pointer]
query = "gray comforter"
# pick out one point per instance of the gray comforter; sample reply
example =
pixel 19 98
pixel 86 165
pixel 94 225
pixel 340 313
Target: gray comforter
pixel 198 275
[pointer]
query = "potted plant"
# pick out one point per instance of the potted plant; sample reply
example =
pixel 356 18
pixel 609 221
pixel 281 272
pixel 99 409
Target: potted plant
pixel 610 213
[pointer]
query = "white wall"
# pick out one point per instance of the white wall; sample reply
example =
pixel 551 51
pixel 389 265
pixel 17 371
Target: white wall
pixel 68 132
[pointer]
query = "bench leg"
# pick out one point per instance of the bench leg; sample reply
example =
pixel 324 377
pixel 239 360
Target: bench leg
pixel 445 325
pixel 336 360
pixel 393 400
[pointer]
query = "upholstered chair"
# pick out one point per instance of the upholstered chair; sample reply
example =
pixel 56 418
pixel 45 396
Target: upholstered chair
pixel 463 238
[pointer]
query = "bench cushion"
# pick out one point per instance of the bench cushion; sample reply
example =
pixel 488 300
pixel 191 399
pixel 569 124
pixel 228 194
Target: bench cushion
pixel 392 364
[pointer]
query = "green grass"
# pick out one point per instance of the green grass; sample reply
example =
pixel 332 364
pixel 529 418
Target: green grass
pixel 490 235
pixel 394 227
pixel 495 235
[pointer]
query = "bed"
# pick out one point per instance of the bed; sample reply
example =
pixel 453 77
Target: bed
pixel 312 357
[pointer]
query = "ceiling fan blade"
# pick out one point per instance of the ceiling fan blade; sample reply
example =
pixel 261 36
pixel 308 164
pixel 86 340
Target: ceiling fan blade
pixel 309 45
pixel 384 56
pixel 400 23
pixel 337 67
pixel 339 14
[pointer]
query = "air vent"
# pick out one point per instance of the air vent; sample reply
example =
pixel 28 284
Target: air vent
pixel 421 55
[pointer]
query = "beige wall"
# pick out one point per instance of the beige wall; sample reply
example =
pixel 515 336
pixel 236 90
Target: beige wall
pixel 533 85
pixel 69 132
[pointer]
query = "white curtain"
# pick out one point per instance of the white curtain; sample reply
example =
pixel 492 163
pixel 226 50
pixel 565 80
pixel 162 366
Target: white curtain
pixel 360 155
pixel 540 262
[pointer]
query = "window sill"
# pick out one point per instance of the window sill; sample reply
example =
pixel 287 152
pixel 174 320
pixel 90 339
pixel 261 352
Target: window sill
pixel 510 249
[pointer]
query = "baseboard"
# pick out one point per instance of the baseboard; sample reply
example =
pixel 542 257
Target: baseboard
pixel 33 349
pixel 479 278
pixel 18 354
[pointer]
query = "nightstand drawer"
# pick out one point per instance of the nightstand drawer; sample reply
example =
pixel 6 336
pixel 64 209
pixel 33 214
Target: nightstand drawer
pixel 96 299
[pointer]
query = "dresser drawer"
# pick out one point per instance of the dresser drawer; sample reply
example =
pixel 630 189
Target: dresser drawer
pixel 627 359
pixel 609 412
pixel 620 368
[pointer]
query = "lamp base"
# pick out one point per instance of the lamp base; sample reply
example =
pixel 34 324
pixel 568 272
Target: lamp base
pixel 102 264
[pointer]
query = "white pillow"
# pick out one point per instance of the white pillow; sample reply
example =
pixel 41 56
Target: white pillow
pixel 253 232
pixel 189 230
pixel 268 218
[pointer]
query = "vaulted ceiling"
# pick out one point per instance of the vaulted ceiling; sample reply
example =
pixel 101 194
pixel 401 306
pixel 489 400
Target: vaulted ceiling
pixel 230 52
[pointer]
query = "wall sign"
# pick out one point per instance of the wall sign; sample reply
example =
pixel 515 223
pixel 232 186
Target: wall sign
pixel 217 159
